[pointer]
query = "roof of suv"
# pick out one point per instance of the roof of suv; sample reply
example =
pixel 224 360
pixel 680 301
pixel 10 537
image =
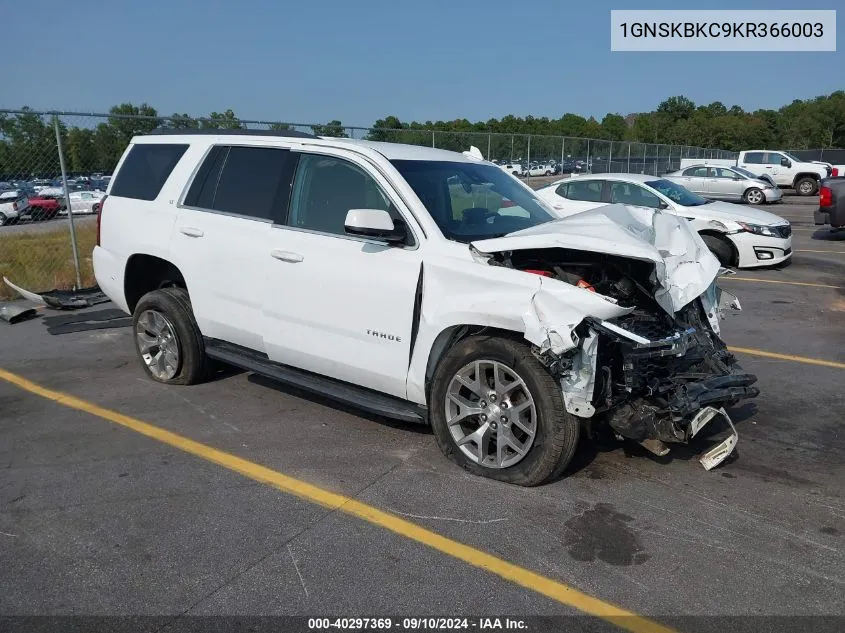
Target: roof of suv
pixel 391 151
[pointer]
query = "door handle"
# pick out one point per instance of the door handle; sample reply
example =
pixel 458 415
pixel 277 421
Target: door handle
pixel 287 256
pixel 190 231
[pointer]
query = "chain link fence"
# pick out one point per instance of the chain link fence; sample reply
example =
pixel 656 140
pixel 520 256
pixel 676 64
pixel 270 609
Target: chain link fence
pixel 56 166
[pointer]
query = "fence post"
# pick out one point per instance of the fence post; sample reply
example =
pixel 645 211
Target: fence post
pixel 67 202
pixel 629 158
pixel 645 149
pixel 529 158
pixel 589 162
pixel 656 157
pixel 489 142
pixel 432 138
pixel 562 146
pixel 610 159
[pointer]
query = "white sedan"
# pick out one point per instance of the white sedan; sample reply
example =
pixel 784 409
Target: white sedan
pixel 738 235
pixel 84 201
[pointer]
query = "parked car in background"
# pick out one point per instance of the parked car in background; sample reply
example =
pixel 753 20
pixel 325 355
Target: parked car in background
pixel 515 169
pixel 726 183
pixel 540 170
pixel 42 208
pixel 738 235
pixel 831 209
pixel 785 170
pixel 85 201
pixel 12 203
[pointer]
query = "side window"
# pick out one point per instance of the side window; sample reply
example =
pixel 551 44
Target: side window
pixel 697 172
pixel 561 190
pixel 248 181
pixel 326 188
pixel 628 193
pixel 721 172
pixel 755 158
pixel 146 169
pixel 586 190
pixel 774 159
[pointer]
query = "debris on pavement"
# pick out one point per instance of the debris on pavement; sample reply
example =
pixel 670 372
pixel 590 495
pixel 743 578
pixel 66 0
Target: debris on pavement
pixel 62 299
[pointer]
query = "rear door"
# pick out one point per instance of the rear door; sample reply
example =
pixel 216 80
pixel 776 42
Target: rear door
pixel 576 195
pixel 221 225
pixel 695 179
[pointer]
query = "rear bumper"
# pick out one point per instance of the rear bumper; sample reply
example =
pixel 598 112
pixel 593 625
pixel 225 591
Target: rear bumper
pixel 830 215
pixel 109 271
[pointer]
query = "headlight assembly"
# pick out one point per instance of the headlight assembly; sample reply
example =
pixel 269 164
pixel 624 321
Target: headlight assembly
pixel 758 229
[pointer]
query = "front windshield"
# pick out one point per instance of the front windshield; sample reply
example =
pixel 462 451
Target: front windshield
pixel 470 201
pixel 677 193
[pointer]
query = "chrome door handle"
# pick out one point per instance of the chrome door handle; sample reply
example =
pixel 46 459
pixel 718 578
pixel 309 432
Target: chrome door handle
pixel 287 256
pixel 190 231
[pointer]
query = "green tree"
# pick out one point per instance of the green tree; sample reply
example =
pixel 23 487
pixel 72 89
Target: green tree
pixel 332 128
pixel 675 108
pixel 221 121
pixel 129 120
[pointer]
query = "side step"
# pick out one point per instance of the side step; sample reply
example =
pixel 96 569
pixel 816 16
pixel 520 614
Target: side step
pixel 359 397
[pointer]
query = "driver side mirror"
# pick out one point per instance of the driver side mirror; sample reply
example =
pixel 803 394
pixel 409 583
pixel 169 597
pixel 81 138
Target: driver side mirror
pixel 662 205
pixel 785 162
pixel 375 223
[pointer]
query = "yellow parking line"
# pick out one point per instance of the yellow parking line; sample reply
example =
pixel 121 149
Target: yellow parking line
pixel 548 587
pixel 809 251
pixel 790 357
pixel 777 281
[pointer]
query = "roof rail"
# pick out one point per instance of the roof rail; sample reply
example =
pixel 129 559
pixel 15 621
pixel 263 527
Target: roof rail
pixel 164 131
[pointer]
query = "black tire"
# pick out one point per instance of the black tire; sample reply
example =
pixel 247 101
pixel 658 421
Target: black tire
pixel 720 248
pixel 557 430
pixel 3 219
pixel 807 186
pixel 752 194
pixel 95 209
pixel 175 304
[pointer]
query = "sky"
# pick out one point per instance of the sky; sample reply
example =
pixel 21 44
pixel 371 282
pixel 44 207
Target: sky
pixel 305 62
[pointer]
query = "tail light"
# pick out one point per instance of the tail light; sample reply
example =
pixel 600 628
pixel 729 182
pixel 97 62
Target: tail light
pixel 835 172
pixel 542 273
pixel 100 218
pixel 825 197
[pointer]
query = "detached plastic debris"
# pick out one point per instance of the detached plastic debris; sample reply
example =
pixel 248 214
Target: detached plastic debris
pixel 16 311
pixel 63 299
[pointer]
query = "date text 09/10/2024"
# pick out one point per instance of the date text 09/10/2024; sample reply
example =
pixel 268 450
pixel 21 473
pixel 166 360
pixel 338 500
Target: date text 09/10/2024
pixel 417 624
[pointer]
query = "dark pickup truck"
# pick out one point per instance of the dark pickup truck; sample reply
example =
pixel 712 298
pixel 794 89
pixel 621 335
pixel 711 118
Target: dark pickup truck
pixel 831 203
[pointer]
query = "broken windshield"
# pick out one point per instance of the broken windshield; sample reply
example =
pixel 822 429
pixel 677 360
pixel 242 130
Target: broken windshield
pixel 471 201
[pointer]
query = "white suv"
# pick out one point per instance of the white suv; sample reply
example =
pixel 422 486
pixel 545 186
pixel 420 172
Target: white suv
pixel 419 284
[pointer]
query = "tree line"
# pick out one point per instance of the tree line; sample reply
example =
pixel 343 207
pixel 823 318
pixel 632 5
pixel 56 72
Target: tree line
pixel 28 143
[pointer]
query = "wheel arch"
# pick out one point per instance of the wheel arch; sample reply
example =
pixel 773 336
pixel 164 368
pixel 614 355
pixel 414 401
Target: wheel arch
pixel 721 235
pixel 805 174
pixel 145 273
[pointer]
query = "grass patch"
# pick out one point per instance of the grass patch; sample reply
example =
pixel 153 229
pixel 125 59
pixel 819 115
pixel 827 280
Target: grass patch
pixel 43 261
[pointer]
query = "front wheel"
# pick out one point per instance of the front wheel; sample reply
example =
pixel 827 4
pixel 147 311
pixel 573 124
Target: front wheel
pixel 498 413
pixel 720 248
pixel 3 219
pixel 754 196
pixel 806 186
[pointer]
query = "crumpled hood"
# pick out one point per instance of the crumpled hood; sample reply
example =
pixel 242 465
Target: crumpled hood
pixel 718 210
pixel 684 266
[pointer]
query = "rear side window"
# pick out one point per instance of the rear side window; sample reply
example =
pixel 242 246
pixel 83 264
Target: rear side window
pixel 587 190
pixel 146 169
pixel 248 181
pixel 755 158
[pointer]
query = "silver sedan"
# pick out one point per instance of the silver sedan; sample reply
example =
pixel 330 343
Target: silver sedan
pixel 726 183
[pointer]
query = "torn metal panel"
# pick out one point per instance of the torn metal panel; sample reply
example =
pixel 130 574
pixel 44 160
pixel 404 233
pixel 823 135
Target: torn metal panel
pixel 62 299
pixel 683 265
pixel 579 383
pixel 16 311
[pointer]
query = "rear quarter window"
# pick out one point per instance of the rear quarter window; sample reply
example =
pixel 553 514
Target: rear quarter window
pixel 146 169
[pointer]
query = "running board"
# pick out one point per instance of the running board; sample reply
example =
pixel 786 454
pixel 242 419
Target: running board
pixel 358 397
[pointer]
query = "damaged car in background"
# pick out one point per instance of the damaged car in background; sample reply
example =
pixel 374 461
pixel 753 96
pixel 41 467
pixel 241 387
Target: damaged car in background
pixel 424 285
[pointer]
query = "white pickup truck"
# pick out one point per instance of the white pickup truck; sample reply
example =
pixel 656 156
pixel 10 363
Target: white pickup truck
pixel 784 169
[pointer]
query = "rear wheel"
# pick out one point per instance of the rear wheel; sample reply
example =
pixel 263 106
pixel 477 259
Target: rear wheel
pixel 754 196
pixel 498 413
pixel 3 219
pixel 806 186
pixel 168 339
pixel 720 248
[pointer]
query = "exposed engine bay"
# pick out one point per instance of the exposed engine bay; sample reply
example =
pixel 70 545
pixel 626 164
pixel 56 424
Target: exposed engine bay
pixel 650 376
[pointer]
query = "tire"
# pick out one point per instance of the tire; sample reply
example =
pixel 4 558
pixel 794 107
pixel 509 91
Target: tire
pixel 754 196
pixel 548 173
pixel 95 209
pixel 806 186
pixel 555 430
pixel 3 219
pixel 720 248
pixel 173 304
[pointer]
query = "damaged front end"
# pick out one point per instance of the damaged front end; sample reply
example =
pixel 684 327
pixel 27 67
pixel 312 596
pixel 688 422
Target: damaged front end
pixel 656 371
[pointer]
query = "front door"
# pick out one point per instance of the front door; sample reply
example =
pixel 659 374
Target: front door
pixel 336 304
